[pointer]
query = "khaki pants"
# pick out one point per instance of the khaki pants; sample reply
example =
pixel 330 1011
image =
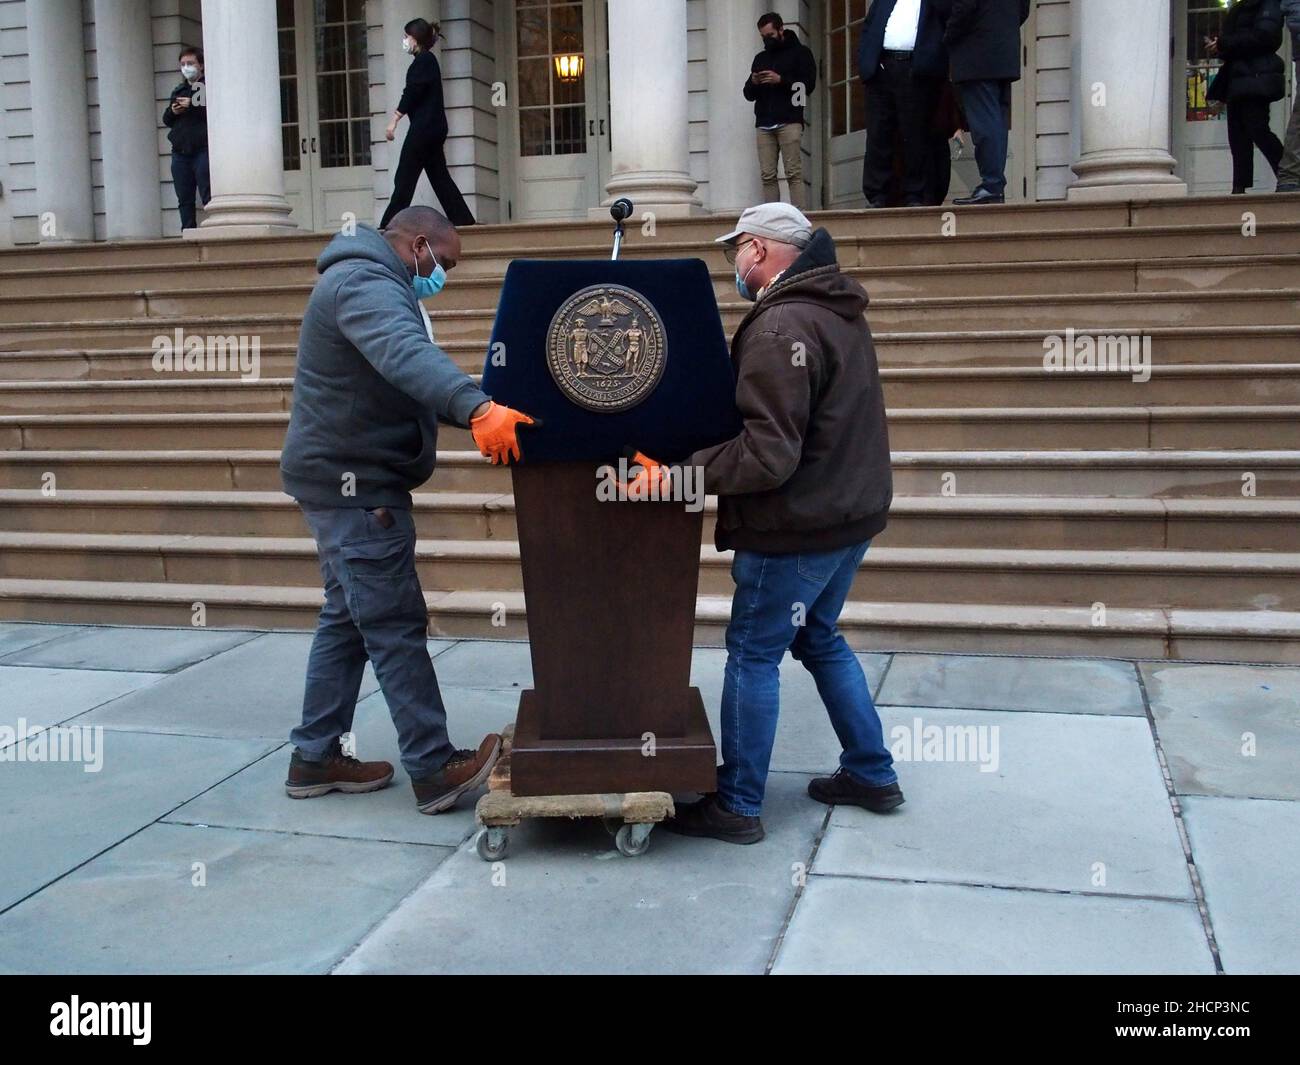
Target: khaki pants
pixel 787 143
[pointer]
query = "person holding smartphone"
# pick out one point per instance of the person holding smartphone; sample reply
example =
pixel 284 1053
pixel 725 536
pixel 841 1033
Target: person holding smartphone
pixel 186 119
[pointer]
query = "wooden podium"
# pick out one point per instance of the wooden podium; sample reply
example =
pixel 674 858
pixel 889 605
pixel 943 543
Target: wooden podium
pixel 609 585
pixel 610 592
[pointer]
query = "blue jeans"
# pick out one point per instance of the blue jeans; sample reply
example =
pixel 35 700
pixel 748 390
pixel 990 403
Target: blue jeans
pixel 190 175
pixel 773 594
pixel 374 608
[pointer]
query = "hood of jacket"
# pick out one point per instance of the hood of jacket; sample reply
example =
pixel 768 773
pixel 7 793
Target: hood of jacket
pixel 815 277
pixel 366 243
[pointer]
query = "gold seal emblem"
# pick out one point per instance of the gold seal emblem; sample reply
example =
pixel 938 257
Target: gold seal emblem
pixel 605 348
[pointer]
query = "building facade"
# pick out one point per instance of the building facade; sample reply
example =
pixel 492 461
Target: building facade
pixel 1111 105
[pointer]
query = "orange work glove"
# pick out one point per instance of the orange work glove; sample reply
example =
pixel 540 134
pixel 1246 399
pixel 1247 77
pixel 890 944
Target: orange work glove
pixel 653 475
pixel 496 432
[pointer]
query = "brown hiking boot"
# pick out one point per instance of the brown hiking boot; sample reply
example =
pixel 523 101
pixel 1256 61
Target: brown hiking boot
pixel 337 772
pixel 464 771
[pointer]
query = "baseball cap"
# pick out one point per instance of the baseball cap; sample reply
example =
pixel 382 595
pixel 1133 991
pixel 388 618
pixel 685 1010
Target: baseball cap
pixel 777 221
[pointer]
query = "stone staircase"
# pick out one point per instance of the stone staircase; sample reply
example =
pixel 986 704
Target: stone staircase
pixel 1035 512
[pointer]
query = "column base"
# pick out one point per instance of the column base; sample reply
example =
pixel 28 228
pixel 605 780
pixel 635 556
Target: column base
pixel 1125 174
pixel 666 193
pixel 1137 190
pixel 238 232
pixel 247 215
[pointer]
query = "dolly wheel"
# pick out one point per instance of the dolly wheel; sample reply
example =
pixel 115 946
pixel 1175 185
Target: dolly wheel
pixel 632 840
pixel 492 844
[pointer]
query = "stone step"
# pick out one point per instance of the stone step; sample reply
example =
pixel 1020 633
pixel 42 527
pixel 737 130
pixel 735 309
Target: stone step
pixel 1019 387
pixel 1079 578
pixel 994 348
pixel 1125 474
pixel 1195 635
pixel 1121 312
pixel 926 521
pixel 910 429
pixel 264 292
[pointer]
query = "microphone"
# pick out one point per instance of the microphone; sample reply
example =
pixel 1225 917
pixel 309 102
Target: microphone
pixel 619 210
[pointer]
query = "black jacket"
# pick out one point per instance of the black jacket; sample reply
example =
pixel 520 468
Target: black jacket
pixel 983 37
pixel 1248 44
pixel 929 56
pixel 795 63
pixel 422 99
pixel 810 469
pixel 188 131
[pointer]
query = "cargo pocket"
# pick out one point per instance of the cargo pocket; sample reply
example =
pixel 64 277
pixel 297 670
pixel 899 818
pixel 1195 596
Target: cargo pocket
pixel 382 583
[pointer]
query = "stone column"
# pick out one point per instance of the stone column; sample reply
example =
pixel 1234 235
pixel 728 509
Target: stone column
pixel 650 161
pixel 61 134
pixel 1121 101
pixel 734 182
pixel 128 119
pixel 245 149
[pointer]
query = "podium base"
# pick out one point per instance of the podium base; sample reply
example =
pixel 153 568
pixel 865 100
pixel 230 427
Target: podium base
pixel 579 766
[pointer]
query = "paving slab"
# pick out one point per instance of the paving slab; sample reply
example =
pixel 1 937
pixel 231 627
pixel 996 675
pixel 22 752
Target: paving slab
pixel 565 901
pixel 255 798
pixel 805 741
pixel 253 691
pixel 1228 729
pixel 1247 852
pixel 984 682
pixel 139 650
pixel 486 664
pixel 1077 803
pixel 16 636
pixel 41 695
pixel 847 925
pixel 269 903
pixel 56 815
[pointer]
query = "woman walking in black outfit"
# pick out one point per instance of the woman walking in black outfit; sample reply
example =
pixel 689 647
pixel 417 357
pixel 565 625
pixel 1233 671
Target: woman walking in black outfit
pixel 423 147
pixel 1251 78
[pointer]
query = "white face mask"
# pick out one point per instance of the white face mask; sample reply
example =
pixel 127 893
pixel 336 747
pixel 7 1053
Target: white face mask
pixel 189 72
pixel 407 45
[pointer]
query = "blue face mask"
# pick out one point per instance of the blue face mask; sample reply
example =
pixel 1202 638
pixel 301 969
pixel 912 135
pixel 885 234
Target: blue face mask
pixel 741 287
pixel 431 285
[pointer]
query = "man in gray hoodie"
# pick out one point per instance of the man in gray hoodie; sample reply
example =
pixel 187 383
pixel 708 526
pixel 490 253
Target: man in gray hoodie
pixel 368 393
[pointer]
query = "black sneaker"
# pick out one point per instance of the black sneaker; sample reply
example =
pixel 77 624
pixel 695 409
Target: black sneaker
pixel 844 789
pixel 710 819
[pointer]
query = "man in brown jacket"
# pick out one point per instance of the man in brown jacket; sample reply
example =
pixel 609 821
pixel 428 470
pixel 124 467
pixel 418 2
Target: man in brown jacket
pixel 802 490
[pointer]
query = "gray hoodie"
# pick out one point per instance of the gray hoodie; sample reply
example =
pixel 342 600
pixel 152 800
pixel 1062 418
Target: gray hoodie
pixel 370 386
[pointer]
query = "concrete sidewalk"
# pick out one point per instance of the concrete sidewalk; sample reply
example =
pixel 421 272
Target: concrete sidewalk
pixel 1107 817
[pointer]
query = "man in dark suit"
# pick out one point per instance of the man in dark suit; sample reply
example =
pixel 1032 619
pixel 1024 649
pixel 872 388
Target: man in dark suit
pixel 901 61
pixel 983 39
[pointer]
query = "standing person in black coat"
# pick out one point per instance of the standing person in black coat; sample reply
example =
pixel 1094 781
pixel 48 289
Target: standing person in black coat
pixel 901 61
pixel 423 148
pixel 983 39
pixel 186 119
pixel 1252 77
pixel 781 78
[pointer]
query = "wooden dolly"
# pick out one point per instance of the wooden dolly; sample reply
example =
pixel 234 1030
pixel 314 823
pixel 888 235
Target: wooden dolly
pixel 629 817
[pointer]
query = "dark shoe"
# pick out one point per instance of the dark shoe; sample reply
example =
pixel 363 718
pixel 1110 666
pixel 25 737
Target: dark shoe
pixel 709 818
pixel 1288 186
pixel 337 772
pixel 464 771
pixel 844 789
pixel 978 198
